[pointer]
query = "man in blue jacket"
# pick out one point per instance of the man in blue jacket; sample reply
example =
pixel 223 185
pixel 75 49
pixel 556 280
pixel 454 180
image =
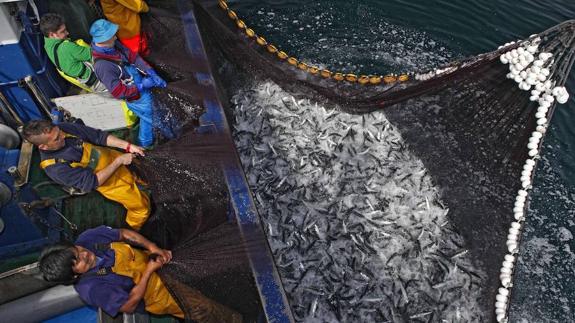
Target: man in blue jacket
pixel 127 77
pixel 114 269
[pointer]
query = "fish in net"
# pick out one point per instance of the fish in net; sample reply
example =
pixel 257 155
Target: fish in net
pixel 476 125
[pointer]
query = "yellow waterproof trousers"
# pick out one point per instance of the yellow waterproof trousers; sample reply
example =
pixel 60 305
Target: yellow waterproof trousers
pixel 132 263
pixel 120 187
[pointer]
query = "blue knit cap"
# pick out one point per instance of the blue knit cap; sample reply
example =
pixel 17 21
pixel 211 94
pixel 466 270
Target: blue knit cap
pixel 102 30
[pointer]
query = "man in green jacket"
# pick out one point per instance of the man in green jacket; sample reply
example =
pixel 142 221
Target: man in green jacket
pixel 72 59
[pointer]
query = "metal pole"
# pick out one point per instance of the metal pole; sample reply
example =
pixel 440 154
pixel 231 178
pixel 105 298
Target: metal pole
pixel 38 95
pixel 10 109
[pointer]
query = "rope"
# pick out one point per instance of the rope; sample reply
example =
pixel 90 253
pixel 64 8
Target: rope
pixel 313 70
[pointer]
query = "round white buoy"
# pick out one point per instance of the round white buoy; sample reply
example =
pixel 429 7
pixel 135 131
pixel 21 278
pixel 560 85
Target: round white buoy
pixel 506 281
pixel 544 103
pixel 503 291
pixel 563 99
pixel 541 121
pixel 536 134
pixel 507 264
pixel 532 49
pixel 534 139
pixel 501 304
pixel 533 145
pixel 501 298
pixel 541 77
pixel 509 257
pixel 540 115
pixel 525 184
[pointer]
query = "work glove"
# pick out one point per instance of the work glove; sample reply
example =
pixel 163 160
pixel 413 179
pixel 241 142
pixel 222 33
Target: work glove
pixel 157 79
pixel 146 83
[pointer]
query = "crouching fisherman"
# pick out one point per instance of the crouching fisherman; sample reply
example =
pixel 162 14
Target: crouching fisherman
pixel 108 272
pixel 73 60
pixel 78 156
pixel 127 76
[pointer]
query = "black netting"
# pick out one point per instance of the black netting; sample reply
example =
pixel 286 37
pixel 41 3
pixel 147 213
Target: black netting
pixel 190 217
pixel 215 263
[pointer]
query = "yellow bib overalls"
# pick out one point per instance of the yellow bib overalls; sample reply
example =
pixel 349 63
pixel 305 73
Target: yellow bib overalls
pixel 120 187
pixel 132 262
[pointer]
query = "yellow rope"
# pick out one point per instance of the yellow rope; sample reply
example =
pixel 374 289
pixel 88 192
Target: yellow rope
pixel 314 70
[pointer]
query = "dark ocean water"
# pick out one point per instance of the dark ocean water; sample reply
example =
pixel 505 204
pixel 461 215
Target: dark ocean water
pixel 369 37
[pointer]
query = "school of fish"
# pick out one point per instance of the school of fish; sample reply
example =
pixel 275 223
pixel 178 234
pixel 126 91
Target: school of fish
pixel 355 223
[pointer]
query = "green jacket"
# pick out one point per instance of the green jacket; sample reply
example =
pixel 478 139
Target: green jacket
pixel 70 56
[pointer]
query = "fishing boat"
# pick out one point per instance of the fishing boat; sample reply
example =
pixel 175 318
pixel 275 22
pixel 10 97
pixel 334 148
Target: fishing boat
pixel 352 255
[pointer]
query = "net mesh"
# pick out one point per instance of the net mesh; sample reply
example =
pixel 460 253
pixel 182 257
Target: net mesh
pixel 467 122
pixel 190 217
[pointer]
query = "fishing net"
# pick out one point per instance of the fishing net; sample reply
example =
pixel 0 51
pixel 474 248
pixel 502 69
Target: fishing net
pixel 349 242
pixel 190 217
pixel 216 264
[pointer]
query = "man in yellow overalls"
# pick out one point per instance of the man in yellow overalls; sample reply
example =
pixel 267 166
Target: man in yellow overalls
pixel 126 14
pixel 108 272
pixel 78 156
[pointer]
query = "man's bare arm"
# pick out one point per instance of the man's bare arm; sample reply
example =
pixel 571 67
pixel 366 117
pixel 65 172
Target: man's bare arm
pixel 107 171
pixel 137 240
pixel 138 291
pixel 113 141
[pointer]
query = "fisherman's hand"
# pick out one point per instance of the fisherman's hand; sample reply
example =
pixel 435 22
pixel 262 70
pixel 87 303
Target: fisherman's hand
pixel 162 254
pixel 146 83
pixel 135 150
pixel 154 264
pixel 125 159
pixel 157 79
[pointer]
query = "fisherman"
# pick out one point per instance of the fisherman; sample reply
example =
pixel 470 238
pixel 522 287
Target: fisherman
pixel 127 76
pixel 73 60
pixel 108 272
pixel 126 14
pixel 78 156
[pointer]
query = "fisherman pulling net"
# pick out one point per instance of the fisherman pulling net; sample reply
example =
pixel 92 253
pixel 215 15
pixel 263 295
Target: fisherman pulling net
pixel 362 228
